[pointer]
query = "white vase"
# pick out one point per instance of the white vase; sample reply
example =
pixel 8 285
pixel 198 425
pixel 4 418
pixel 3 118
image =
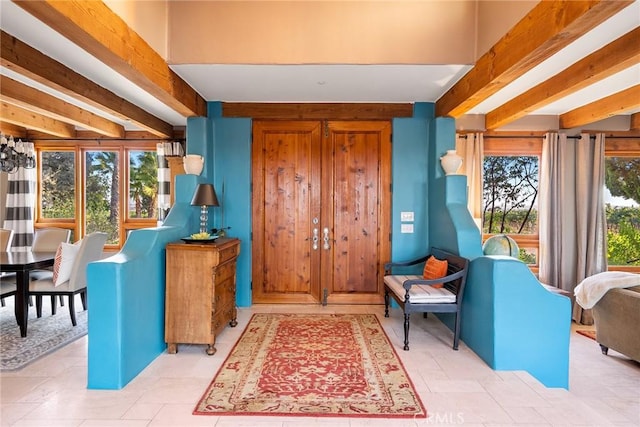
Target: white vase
pixel 451 162
pixel 193 164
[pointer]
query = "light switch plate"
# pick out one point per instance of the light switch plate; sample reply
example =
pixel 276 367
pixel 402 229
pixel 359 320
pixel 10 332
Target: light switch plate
pixel 406 228
pixel 406 216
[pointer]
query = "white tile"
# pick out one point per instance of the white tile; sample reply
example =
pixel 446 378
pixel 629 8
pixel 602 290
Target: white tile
pixel 455 386
pixel 181 415
pixel 142 411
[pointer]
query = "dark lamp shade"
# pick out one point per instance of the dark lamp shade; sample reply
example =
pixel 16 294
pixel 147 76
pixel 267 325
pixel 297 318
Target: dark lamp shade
pixel 205 195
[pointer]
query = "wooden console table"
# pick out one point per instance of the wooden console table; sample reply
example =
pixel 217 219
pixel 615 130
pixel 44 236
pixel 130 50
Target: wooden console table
pixel 200 292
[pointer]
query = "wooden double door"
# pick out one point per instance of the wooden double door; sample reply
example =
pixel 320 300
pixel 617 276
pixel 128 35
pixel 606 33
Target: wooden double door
pixel 321 211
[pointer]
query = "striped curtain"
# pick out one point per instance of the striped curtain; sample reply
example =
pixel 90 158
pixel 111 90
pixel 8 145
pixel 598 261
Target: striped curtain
pixel 20 208
pixel 164 183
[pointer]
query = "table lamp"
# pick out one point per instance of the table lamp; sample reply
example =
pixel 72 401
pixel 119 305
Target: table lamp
pixel 204 197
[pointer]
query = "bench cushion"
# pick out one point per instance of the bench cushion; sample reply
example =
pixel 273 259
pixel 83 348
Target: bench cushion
pixel 418 293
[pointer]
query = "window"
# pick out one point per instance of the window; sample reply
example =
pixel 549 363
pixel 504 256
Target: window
pixel 58 185
pixel 510 192
pixel 622 207
pixel 102 195
pixel 87 186
pixel 143 184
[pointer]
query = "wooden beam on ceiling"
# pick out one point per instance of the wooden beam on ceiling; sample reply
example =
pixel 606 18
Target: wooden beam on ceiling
pixel 635 122
pixel 611 59
pixel 611 105
pixel 30 120
pixel 23 59
pixel 546 29
pixel 94 27
pixel 14 130
pixel 17 93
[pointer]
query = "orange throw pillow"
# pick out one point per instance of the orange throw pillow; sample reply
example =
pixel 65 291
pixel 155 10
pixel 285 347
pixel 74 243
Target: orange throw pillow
pixel 435 269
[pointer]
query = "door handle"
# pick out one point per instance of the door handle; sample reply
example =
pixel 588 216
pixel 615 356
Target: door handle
pixel 325 233
pixel 315 239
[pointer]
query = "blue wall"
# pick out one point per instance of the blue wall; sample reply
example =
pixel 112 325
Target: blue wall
pixel 126 303
pixel 409 176
pixel 232 162
pixel 230 149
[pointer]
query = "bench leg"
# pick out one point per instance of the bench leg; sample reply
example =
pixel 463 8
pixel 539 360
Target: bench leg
pixel 406 331
pixel 386 303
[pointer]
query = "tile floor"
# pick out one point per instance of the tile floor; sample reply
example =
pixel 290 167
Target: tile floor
pixel 457 388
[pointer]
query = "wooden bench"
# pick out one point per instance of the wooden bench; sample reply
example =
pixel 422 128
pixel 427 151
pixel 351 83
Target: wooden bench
pixel 415 294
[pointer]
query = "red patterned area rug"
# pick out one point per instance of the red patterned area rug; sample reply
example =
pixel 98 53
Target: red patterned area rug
pixel 335 365
pixel 587 333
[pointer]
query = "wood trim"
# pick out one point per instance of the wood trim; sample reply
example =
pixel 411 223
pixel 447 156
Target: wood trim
pixel 635 122
pixel 512 143
pixel 23 59
pixel 611 59
pixel 622 147
pixel 611 105
pixel 27 97
pixel 545 30
pixel 79 148
pixel 316 111
pixel 98 30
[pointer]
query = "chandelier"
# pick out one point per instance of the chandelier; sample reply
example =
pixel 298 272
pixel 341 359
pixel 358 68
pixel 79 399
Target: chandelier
pixel 14 155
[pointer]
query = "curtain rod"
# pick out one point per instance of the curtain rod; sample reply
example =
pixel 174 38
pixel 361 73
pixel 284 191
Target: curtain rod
pixel 542 136
pixel 109 139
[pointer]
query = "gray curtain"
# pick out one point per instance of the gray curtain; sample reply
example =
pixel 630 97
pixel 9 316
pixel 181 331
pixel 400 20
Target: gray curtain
pixel 572 216
pixel 20 207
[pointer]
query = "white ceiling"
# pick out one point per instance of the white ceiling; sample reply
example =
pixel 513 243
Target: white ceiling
pixel 320 83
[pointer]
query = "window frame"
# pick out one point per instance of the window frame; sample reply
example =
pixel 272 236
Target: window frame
pixel 80 147
pixel 617 144
pixel 620 146
pixel 514 145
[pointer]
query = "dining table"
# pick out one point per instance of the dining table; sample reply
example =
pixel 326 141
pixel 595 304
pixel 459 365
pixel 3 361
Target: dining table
pixel 23 263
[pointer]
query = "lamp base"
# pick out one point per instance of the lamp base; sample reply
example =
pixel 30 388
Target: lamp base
pixel 204 213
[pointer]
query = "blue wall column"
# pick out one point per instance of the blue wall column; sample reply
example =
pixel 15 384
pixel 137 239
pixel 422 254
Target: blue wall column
pixel 451 226
pixel 409 176
pixel 232 180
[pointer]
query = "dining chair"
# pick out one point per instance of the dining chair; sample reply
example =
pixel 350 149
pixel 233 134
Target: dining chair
pixel 91 247
pixel 7 288
pixel 7 280
pixel 47 240
pixel 6 239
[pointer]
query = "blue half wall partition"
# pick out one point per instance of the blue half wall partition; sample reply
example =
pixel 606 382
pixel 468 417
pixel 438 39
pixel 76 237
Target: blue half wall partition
pixel 508 318
pixel 514 323
pixel 126 296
